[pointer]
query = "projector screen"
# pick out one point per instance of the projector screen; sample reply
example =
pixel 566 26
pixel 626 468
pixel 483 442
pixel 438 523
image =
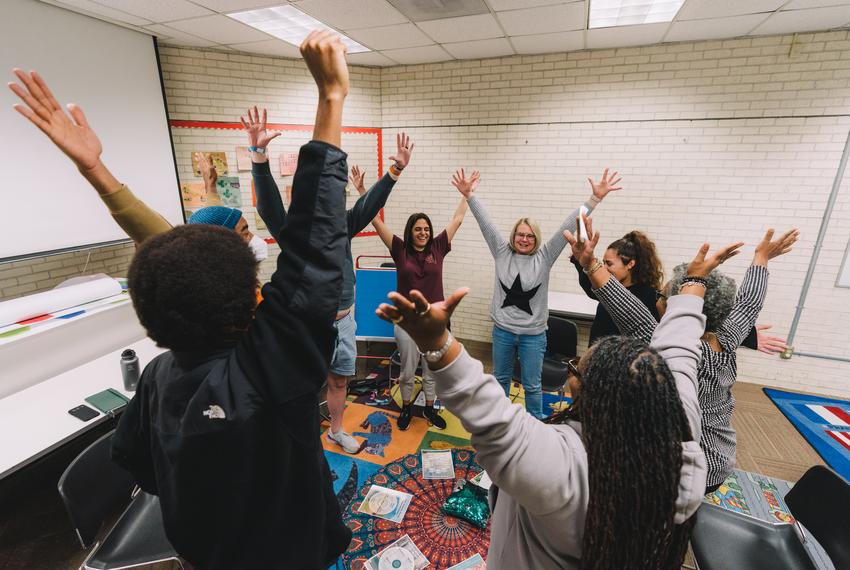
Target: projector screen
pixel 113 74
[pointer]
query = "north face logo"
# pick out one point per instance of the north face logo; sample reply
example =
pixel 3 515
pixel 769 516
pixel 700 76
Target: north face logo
pixel 215 413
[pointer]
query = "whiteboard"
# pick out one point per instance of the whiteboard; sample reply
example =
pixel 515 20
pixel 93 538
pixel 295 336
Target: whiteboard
pixel 113 74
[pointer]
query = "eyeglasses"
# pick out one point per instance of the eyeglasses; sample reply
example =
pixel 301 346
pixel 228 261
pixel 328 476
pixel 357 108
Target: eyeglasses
pixel 659 295
pixel 572 366
pixel 529 237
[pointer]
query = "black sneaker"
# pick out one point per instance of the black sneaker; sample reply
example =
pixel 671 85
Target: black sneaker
pixel 404 417
pixel 434 418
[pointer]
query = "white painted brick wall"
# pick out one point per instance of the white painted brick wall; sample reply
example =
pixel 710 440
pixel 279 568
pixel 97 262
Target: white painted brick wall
pixel 716 141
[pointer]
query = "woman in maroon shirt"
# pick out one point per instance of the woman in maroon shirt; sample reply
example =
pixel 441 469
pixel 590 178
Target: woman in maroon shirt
pixel 419 265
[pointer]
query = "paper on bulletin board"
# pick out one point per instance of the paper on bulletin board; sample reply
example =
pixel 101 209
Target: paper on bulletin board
pixel 219 162
pixel 288 163
pixel 243 158
pixel 228 191
pixel 195 196
pixel 259 223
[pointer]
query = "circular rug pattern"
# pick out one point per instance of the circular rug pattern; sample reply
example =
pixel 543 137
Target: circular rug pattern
pixel 443 539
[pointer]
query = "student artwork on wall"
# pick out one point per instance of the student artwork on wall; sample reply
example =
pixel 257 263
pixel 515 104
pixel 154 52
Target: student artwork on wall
pixel 228 191
pixel 259 223
pixel 194 195
pixel 288 163
pixel 243 158
pixel 219 162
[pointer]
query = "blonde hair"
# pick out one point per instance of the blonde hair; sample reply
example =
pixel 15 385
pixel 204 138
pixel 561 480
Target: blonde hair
pixel 535 229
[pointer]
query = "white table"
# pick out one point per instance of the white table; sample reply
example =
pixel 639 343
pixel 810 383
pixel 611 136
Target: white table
pixel 35 421
pixel 572 305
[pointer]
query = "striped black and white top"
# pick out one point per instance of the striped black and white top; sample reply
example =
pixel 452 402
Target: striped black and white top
pixel 717 371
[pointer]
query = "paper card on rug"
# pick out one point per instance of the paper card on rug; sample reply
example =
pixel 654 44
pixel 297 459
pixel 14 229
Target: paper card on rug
pixel 482 480
pixel 402 554
pixel 243 158
pixel 420 401
pixel 229 191
pixel 385 503
pixel 437 464
pixel 288 163
pixel 471 563
pixel 219 162
pixel 194 194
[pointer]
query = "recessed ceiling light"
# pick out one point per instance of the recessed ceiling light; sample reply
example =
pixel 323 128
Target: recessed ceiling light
pixel 608 13
pixel 289 24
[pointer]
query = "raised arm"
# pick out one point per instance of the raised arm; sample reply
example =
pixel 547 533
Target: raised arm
pixel 71 134
pixel 300 302
pixel 370 203
pixel 356 178
pixel 553 248
pixel 465 186
pixel 495 241
pixel 510 443
pixel 753 290
pixel 269 202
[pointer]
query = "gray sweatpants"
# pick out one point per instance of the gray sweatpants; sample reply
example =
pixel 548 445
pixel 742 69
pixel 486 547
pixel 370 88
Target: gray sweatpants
pixel 410 359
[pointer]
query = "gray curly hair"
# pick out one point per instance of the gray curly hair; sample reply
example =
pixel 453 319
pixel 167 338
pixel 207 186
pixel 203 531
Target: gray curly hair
pixel 719 295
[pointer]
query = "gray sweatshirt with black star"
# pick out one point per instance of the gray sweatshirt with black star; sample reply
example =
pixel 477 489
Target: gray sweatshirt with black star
pixel 520 302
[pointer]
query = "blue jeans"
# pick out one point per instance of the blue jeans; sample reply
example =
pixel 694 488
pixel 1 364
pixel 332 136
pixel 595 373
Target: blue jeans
pixel 531 349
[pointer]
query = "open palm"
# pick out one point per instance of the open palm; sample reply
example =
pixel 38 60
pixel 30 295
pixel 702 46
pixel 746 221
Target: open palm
pixel 72 134
pixel 258 135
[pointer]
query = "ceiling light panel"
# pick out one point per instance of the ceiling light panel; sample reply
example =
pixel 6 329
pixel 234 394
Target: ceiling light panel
pixel 289 24
pixel 609 13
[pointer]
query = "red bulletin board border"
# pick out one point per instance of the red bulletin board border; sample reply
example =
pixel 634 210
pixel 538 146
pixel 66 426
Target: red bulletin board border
pixel 181 124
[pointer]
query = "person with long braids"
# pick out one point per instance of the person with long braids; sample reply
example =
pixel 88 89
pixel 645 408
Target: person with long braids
pixel 419 265
pixel 520 303
pixel 729 319
pixel 633 261
pixel 615 485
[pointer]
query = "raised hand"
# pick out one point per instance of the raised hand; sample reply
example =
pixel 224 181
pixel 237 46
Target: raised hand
pixel 425 322
pixel 583 246
pixel 324 53
pixel 701 265
pixel 72 134
pixel 465 186
pixel 605 185
pixel 404 148
pixel 769 248
pixel 255 126
pixel 208 171
pixel 357 178
pixel 769 344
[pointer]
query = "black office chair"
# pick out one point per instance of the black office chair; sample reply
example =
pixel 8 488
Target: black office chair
pixel 92 488
pixel 561 345
pixel 820 500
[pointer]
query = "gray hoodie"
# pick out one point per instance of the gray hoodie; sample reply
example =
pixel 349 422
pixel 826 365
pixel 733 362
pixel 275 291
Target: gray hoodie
pixel 541 470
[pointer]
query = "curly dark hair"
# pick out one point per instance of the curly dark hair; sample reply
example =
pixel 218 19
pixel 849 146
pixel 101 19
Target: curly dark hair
pixel 637 246
pixel 408 232
pixel 633 426
pixel 719 295
pixel 193 287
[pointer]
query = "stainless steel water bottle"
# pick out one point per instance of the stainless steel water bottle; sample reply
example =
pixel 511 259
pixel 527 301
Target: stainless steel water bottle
pixel 130 369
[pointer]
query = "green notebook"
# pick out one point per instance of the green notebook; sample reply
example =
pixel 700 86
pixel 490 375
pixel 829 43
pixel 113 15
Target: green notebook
pixel 108 401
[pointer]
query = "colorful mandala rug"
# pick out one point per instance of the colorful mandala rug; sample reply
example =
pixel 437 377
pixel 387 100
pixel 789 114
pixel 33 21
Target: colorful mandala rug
pixel 443 539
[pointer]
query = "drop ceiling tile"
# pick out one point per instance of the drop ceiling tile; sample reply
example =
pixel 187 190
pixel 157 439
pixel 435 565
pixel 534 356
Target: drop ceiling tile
pixel 713 28
pixel 560 18
pixel 371 58
pixel 549 43
pixel 220 29
pixel 422 10
pixel 625 36
pixel 480 49
pixel 412 56
pixel 277 48
pixel 790 21
pixel 349 14
pixel 237 5
pixel 697 9
pixel 94 9
pixel 803 4
pixel 502 5
pixel 390 37
pixel 176 37
pixel 159 10
pixel 465 28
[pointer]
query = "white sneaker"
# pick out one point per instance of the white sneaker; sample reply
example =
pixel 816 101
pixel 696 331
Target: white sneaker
pixel 345 441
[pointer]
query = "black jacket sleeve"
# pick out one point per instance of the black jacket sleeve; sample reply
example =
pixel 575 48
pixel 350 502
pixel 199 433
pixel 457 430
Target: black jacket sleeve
pixel 368 205
pixel 287 350
pixel 269 203
pixel 752 340
pixel 130 445
pixel 583 279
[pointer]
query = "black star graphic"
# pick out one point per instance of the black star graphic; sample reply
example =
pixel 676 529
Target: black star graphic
pixel 517 297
